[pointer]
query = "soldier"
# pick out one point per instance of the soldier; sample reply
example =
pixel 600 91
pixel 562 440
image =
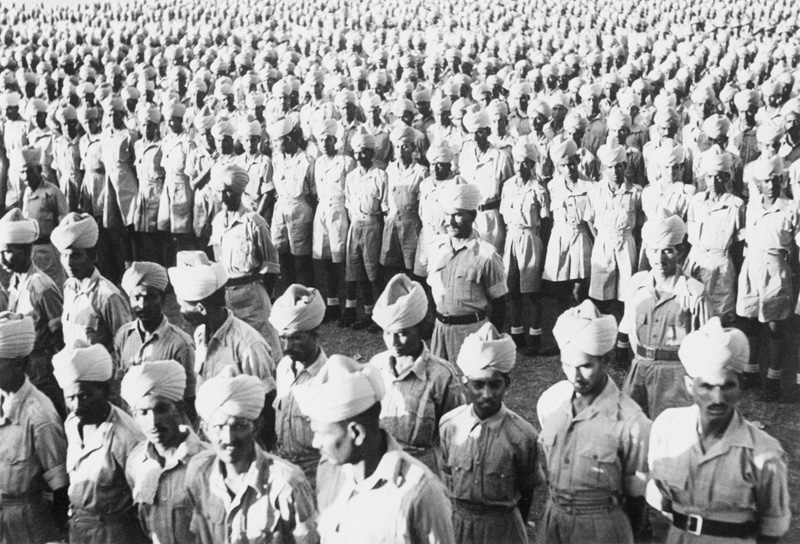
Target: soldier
pixel 156 467
pixel 395 498
pixel 420 387
pixel 15 130
pixel 259 169
pixel 489 457
pixel 67 156
pixel 717 476
pixel 594 439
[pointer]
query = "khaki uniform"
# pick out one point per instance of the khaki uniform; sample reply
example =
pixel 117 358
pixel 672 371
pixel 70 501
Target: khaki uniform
pixel 92 197
pixel 48 207
pixel 596 133
pixel 416 400
pixel 367 202
pixel 433 217
pixel 67 162
pixel 15 136
pixel 101 501
pixel 151 174
pixel 486 464
pixel 659 325
pixel 569 250
pixel 241 242
pixel 260 171
pixel 713 226
pixel 383 145
pixel 594 460
pixel 122 186
pixel 33 452
pixel 43 138
pixel 463 281
pixel 276 505
pixel 402 501
pixel 523 207
pixel 742 478
pixel 175 212
pixel 292 427
pixel 330 220
pixel 293 217
pixel 403 224
pixel 160 492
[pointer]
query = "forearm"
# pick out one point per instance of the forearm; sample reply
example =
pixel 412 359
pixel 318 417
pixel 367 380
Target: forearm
pixel 498 316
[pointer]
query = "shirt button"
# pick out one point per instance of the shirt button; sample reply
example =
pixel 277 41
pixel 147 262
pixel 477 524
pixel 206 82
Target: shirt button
pixel 566 460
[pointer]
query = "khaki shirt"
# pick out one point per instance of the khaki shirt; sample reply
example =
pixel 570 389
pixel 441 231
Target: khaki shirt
pixel 524 205
pixel 774 228
pixel 490 461
pixel 46 205
pixel 160 493
pixel 601 449
pixel 366 193
pixel 430 209
pixel 329 176
pixel 276 505
pixel 242 242
pixel 403 187
pixel 488 170
pixel 35 294
pixel 293 175
pixel 401 502
pixel 741 478
pixel 715 224
pixel 616 211
pixel 33 447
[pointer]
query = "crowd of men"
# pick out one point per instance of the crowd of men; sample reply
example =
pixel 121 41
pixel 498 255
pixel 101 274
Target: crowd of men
pixel 450 167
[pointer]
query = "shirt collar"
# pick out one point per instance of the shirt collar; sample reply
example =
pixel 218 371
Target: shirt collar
pixel 14 401
pixel 419 367
pixel 190 446
pixel 491 422
pixel 736 435
pixel 257 477
pixel 388 469
pixel 222 332
pixel 158 333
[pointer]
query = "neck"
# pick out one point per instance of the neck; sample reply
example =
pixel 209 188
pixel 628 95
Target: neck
pixel 13 381
pixel 373 450
pixel 216 318
pixel 590 397
pixel 150 325
pixel 768 201
pixel 714 428
pixel 306 362
pixel 242 466
pixel 168 450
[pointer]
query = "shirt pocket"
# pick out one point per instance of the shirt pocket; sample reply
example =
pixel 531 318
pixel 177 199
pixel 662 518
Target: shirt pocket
pixel 460 474
pixel 599 464
pixel 499 477
pixel 468 283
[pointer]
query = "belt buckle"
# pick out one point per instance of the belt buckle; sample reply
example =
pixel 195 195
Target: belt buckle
pixel 650 353
pixel 697 522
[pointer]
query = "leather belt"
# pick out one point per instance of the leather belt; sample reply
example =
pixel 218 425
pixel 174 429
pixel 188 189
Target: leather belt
pixel 489 206
pixel 657 354
pixel 467 319
pixel 243 280
pixel 701 526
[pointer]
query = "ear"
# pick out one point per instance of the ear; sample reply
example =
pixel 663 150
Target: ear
pixel 689 385
pixel 202 308
pixel 357 432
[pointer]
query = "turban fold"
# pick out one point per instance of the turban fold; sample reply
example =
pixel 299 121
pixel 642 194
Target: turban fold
pixel 669 154
pixel 487 349
pixel 716 125
pixel 362 140
pixel 174 109
pixel 82 363
pixel 165 379
pixel 712 162
pixel 617 119
pixel 145 273
pixel 767 168
pixel 343 389
pixel 234 396
pixel 440 153
pixel 660 233
pixel 280 128
pixel 298 309
pixel 17 335
pixel 229 176
pixel 563 150
pixel 611 156
pixel 475 120
pixel 585 329
pixel 196 277
pixel 746 99
pixel 325 128
pixel 539 107
pixel 402 304
pixel 713 348
pixel 402 134
pixel 76 231
pixel 16 229
pixel 27 156
pixel 769 133
pixel 523 150
pixel 464 196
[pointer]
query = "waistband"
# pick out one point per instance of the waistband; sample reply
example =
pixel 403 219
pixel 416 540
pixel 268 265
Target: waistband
pixel 467 319
pixel 32 497
pixel 404 216
pixel 366 218
pixel 768 252
pixel 570 227
pixel 477 508
pixel 697 525
pixel 243 280
pixel 332 201
pixel 616 233
pixel 114 518
pixel 583 501
pixel 495 205
pixel 717 252
pixel 519 229
pixel 656 354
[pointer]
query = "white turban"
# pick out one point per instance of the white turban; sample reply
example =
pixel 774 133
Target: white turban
pixel 769 133
pixel 611 156
pixel 712 162
pixel 487 349
pixel 660 233
pixel 617 119
pixel 362 140
pixel 324 128
pixel 343 389
pixel 464 196
pixel 196 277
pixel 229 176
pixel 767 168
pixel 439 153
pixel 165 379
pixel 716 125
pixel 16 229
pixel 400 135
pixel 669 154
pixel 298 309
pixel 563 150
pixel 280 128
pixel 235 396
pixel 713 348
pixel 76 231
pixel 523 150
pixel 82 363
pixel 17 335
pixel 585 329
pixel 27 156
pixel 402 304
pixel 475 120
pixel 145 273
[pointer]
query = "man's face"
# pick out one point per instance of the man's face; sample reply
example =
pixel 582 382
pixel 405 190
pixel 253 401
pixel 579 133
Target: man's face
pixel 176 124
pixel 559 113
pixel 524 100
pixel 334 441
pixel 72 128
pixel 524 168
pixel 364 157
pixel 594 104
pixel 499 124
pixel 538 121
pixel 406 152
pixel 485 390
pixel 568 168
pixel 12 112
pixel 41 119
pixel 79 263
pixel 718 180
pixel 442 170
pixel 285 144
pixel 770 188
pixel 253 144
pixel 577 135
pixel 118 118
pixel 225 144
pixel 774 100
pixel 458 223
pixel 330 145
pixel 585 372
pixel 349 112
pixel 670 173
pixel 233 438
pixel 715 396
pixel 482 137
pixel 159 419
pixel 424 108
pixel 146 302
pixel 407 117
pixel 32 175
pixel 663 260
pixel 10 372
pixel 443 118
pixel 151 130
pixel 791 123
pixel 300 346
pixel 193 312
pixel 16 257
pixel 87 400
pixel 615 172
pixel 619 134
pixel 665 130
pixel 230 199
pixel 403 343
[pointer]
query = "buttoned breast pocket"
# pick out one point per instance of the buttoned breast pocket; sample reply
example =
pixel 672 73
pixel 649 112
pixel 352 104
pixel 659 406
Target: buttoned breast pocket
pixel 242 251
pixel 213 517
pixel 499 477
pixel 467 283
pixel 14 456
pixel 599 464
pixel 458 473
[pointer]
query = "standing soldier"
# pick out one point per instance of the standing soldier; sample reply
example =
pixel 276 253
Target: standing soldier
pixel 42 136
pixel 594 439
pixel 33 293
pixel 156 467
pixel 330 220
pixel 259 169
pixel 662 306
pixel 100 437
pixel 241 243
pixel 296 316
pixel 67 156
pixel 525 206
pixel 92 197
pixel 33 451
pixel 420 387
pixel 717 476
pixel 489 457
pixel 466 275
pixel 148 243
pixel 15 130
